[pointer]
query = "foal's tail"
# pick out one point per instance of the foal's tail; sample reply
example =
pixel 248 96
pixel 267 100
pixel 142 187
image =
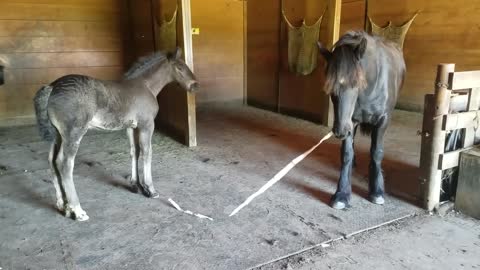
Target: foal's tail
pixel 40 101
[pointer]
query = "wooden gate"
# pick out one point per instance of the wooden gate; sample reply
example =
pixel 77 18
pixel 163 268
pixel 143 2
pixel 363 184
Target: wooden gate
pixel 454 105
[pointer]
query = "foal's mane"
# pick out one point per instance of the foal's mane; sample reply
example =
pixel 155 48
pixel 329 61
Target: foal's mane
pixel 145 64
pixel 344 66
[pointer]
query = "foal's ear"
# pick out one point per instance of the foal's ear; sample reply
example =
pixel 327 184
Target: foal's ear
pixel 325 52
pixel 178 53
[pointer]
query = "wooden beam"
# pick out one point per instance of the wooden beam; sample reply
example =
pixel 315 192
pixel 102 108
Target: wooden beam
pixel 461 120
pixel 437 143
pixel 334 12
pixel 191 132
pixel 464 80
pixel 450 160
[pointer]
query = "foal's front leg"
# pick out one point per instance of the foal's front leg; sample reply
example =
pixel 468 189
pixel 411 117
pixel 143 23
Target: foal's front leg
pixel 145 138
pixel 342 196
pixel 376 182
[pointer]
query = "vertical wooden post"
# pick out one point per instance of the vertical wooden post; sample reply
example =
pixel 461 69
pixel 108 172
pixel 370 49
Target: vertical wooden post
pixel 334 13
pixel 437 142
pixel 191 134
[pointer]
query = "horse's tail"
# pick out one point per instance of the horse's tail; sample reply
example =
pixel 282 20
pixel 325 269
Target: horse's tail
pixel 40 101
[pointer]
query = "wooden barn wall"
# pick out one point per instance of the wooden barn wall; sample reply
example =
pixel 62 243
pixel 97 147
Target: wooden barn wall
pixel 353 15
pixel 263 49
pixel 444 32
pixel 270 84
pixel 41 40
pixel 302 95
pixel 218 50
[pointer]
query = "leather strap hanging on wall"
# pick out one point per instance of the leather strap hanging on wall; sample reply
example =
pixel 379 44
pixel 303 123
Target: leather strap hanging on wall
pixel 302 45
pixel 395 33
pixel 166 33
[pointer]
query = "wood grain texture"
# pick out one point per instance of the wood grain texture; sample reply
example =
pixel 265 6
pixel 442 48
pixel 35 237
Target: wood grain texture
pixel 443 32
pixel 43 40
pixel 218 50
pixel 303 96
pixel 263 50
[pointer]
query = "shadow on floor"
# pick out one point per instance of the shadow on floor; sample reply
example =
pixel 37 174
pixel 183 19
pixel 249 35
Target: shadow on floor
pixel 401 178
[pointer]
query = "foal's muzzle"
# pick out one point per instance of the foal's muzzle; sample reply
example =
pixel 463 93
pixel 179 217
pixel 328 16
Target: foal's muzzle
pixel 193 87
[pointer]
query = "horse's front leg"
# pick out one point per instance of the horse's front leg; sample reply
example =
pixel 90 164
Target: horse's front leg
pixel 342 196
pixel 134 154
pixel 145 138
pixel 376 186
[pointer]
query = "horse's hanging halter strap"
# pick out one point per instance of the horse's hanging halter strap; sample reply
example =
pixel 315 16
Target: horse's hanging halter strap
pixel 391 32
pixel 166 33
pixel 302 46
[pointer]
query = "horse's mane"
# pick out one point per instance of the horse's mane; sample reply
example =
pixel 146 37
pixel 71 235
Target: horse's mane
pixel 144 64
pixel 344 66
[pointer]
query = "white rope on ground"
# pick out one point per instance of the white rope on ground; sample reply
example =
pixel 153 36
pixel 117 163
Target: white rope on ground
pixel 188 212
pixel 279 175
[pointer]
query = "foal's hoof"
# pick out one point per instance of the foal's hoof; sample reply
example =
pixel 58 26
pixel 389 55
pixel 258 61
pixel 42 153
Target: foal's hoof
pixel 150 192
pixel 76 213
pixel 378 199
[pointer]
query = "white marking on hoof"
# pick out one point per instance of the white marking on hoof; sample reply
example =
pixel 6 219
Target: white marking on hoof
pixel 154 195
pixel 377 200
pixel 338 205
pixel 60 205
pixel 76 213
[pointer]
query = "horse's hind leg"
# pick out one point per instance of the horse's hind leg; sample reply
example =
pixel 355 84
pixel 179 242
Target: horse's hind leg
pixel 52 158
pixel 376 181
pixel 145 138
pixel 68 150
pixel 342 196
pixel 134 154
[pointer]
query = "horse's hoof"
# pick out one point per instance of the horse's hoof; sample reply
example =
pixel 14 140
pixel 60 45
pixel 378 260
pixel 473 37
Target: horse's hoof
pixel 339 205
pixel 377 200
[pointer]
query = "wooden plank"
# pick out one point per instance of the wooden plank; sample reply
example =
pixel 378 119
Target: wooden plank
pixel 63 59
pixel 461 120
pixel 451 159
pixel 47 75
pixel 464 80
pixel 57 11
pixel 22 28
pixel 60 44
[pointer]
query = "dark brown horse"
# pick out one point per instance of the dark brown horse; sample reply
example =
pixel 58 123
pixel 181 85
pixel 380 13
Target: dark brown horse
pixel 72 104
pixel 363 77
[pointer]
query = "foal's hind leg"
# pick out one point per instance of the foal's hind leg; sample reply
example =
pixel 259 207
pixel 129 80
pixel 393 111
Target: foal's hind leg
pixel 66 159
pixel 52 158
pixel 145 138
pixel 134 154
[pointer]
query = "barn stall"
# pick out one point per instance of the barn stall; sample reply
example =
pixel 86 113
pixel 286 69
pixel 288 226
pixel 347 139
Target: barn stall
pixel 252 115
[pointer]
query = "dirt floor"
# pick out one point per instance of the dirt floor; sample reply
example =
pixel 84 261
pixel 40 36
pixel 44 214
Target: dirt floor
pixel 421 242
pixel 240 148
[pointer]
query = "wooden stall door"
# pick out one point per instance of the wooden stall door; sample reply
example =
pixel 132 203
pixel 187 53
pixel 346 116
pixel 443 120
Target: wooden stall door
pixel 262 49
pixel 177 107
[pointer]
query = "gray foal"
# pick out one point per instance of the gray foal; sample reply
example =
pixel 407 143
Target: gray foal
pixel 72 104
